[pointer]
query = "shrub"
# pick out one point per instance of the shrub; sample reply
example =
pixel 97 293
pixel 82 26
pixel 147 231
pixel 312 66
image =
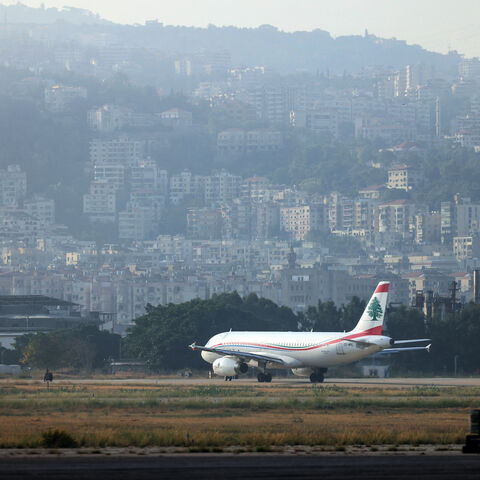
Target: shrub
pixel 57 439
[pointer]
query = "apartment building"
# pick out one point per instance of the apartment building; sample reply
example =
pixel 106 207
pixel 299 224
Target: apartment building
pixel 300 220
pixel 465 247
pixel 59 97
pixel 394 217
pixel 108 118
pixel 204 223
pixel 235 141
pixel 183 185
pixel 41 208
pixel 120 151
pixel 13 185
pixel 403 177
pixel 176 118
pixel 146 175
pixel 135 223
pixel 100 203
pixel 113 173
pixel 221 188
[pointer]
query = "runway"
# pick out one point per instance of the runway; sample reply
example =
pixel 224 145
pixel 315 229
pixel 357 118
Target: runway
pixel 250 466
pixel 279 381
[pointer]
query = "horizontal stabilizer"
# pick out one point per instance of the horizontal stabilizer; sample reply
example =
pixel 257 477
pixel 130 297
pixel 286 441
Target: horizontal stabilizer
pixel 406 349
pixel 417 340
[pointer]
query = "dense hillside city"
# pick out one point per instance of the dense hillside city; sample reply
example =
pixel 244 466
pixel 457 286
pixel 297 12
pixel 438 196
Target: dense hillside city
pixel 154 165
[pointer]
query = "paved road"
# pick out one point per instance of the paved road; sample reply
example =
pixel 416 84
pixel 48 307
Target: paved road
pixel 242 467
pixel 293 381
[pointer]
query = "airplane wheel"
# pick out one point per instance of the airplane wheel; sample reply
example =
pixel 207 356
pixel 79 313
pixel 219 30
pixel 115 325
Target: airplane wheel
pixel 317 378
pixel 261 377
pixel 268 377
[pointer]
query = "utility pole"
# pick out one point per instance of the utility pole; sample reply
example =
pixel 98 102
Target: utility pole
pixel 437 118
pixel 454 298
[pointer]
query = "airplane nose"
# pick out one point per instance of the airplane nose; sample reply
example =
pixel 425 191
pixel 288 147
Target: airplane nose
pixel 204 355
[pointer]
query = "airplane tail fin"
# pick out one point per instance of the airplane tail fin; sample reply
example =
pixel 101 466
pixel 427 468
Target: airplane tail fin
pixel 371 321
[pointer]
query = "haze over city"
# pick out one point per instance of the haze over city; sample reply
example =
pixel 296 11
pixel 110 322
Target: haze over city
pixel 208 208
pixel 438 25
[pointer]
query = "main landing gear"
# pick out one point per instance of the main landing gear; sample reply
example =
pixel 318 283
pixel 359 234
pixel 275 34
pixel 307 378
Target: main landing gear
pixel 264 377
pixel 318 376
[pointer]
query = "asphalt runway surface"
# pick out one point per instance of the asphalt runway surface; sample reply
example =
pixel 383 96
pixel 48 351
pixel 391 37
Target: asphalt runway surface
pixel 244 467
pixel 292 381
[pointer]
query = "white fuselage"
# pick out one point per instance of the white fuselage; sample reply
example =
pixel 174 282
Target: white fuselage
pixel 298 349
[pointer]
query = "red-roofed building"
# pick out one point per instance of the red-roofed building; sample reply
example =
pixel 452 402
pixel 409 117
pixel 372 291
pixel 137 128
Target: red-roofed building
pixel 371 192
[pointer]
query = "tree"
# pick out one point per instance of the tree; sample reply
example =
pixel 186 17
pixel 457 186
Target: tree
pixel 83 348
pixel 162 335
pixel 44 351
pixel 374 309
pixel 351 313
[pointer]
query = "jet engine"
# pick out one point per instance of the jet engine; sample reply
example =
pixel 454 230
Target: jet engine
pixel 302 372
pixel 379 340
pixel 229 367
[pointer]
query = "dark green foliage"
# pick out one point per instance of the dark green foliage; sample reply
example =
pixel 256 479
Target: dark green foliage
pixel 52 151
pixel 457 336
pixel 404 323
pixel 447 172
pixel 326 317
pixel 83 347
pixel 57 439
pixel 449 336
pixel 161 337
pixel 335 167
pixel 14 355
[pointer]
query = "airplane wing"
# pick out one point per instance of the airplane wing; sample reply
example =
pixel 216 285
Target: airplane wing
pixel 243 355
pixel 366 343
pixel 406 349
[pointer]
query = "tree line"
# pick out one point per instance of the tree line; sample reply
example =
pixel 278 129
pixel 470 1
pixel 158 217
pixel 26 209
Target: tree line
pixel 161 337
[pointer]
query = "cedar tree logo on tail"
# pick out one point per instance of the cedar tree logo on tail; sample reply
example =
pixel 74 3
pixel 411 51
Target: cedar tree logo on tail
pixel 375 310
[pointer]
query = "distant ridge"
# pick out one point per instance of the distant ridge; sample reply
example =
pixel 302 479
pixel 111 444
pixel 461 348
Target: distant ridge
pixel 314 51
pixel 20 13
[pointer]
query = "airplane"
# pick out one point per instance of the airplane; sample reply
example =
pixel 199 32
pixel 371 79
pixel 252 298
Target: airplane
pixel 305 353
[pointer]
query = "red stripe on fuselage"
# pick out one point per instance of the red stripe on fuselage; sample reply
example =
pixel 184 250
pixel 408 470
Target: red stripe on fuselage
pixel 382 288
pixel 370 331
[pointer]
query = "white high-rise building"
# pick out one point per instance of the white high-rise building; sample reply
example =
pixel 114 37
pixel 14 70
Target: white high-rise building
pixel 13 185
pixel 122 151
pixel 100 203
pixel 43 209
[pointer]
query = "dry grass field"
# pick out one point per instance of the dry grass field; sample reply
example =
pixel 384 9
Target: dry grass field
pixel 255 417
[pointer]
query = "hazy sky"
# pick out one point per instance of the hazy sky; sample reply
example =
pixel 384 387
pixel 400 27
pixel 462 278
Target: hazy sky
pixel 438 25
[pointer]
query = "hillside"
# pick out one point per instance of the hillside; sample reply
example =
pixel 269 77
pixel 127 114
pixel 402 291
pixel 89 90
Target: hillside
pixel 266 45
